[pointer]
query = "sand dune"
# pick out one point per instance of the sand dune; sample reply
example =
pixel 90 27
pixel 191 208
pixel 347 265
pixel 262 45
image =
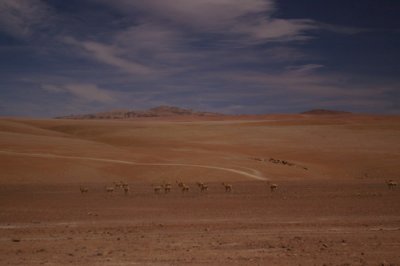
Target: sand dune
pixel 346 147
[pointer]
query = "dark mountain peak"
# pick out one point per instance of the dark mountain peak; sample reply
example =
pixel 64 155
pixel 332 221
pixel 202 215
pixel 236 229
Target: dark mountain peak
pixel 324 112
pixel 165 109
pixel 159 111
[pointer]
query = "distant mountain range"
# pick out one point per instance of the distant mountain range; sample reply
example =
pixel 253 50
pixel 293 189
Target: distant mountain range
pixel 160 111
pixel 172 111
pixel 324 112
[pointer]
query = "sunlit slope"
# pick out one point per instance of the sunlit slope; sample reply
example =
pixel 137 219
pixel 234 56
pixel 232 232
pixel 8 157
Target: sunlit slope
pixel 327 148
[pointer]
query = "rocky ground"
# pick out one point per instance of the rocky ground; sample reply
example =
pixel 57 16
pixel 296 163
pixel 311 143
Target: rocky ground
pixel 301 223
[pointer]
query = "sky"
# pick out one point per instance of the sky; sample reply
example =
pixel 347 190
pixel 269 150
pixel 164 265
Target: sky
pixel 62 57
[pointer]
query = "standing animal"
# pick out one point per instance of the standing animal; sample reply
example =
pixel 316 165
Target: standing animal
pixel 391 184
pixel 185 188
pixel 167 188
pixel 228 187
pixel 203 188
pixel 157 189
pixel 109 189
pixel 273 187
pixel 180 184
pixel 126 189
pixel 118 184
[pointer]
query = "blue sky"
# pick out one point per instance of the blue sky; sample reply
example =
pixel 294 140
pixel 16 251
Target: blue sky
pixel 232 56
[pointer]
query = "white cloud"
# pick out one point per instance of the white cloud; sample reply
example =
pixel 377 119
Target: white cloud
pixel 306 83
pixel 148 36
pixel 163 42
pixel 111 55
pixel 304 69
pixel 86 92
pixel 52 88
pixel 252 18
pixel 21 18
pixel 202 14
pixel 262 30
pixel 344 29
pixel 90 92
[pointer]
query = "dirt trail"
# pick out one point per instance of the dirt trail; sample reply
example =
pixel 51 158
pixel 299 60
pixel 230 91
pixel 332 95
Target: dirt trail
pixel 257 175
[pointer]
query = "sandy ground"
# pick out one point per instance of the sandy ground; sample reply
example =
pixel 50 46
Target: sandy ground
pixel 332 206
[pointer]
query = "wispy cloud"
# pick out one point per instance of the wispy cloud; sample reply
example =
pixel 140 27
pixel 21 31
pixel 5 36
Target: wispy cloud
pixel 198 14
pixel 21 18
pixel 283 30
pixel 252 19
pixel 343 29
pixel 301 69
pixel 234 55
pixel 111 55
pixel 85 92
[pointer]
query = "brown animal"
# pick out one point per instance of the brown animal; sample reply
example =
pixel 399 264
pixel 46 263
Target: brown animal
pixel 167 188
pixel 185 188
pixel 180 184
pixel 118 184
pixel 228 187
pixel 84 189
pixel 273 187
pixel 391 184
pixel 203 188
pixel 109 189
pixel 157 189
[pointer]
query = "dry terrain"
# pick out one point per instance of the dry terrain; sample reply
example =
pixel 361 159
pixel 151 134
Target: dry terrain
pixel 332 205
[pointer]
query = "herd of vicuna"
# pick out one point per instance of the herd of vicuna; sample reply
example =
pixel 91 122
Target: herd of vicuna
pixel 167 187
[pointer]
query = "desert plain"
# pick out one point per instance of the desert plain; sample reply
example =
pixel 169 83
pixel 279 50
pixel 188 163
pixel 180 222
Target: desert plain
pixel 332 205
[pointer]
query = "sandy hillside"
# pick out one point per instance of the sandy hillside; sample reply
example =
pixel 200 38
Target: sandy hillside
pixel 332 205
pixel 328 147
